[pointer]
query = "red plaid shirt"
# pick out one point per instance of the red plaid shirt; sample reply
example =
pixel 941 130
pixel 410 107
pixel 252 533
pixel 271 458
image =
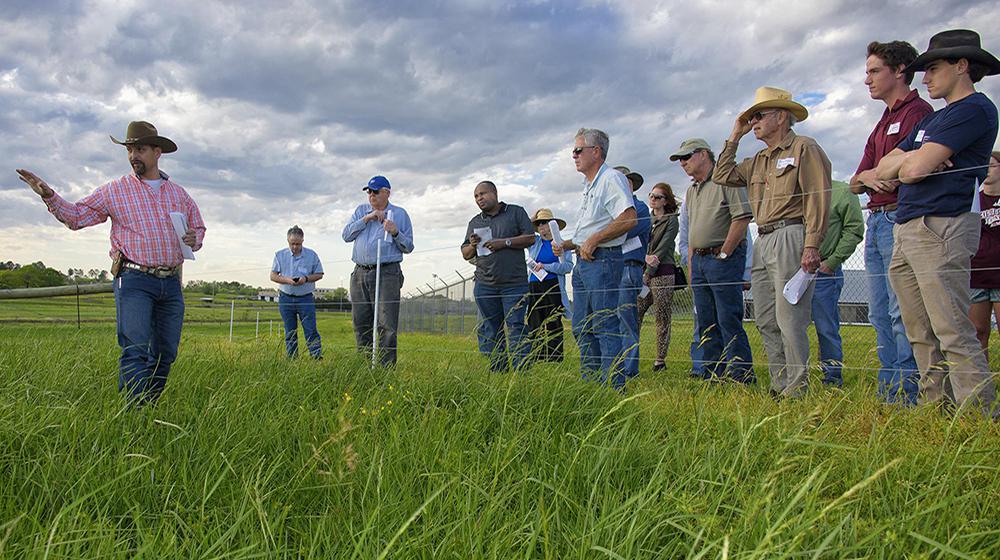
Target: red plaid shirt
pixel 140 218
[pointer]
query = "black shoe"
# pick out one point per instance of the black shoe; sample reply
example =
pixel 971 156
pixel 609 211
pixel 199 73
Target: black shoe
pixel 778 397
pixel 657 366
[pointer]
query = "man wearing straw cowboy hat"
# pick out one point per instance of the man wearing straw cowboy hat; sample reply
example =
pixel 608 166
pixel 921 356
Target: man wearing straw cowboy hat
pixel 939 164
pixel 788 186
pixel 382 234
pixel 147 253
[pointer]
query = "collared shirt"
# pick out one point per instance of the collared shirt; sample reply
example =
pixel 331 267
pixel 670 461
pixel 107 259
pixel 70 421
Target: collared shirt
pixel 790 180
pixel 642 228
pixel 604 199
pixel 986 262
pixel 895 125
pixel 845 227
pixel 140 218
pixel 969 128
pixel 711 210
pixel 303 264
pixel 367 236
pixel 504 267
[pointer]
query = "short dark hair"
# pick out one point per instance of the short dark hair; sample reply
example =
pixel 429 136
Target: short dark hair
pixel 489 184
pixel 296 231
pixel 977 70
pixel 894 54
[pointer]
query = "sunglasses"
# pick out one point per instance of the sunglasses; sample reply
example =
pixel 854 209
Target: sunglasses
pixel 658 196
pixel 687 157
pixel 759 115
pixel 578 151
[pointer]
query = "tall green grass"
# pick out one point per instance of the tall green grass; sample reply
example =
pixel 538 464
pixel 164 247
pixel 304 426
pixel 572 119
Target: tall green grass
pixel 250 455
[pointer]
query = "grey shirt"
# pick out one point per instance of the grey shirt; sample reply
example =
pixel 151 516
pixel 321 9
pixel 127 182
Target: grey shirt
pixel 506 266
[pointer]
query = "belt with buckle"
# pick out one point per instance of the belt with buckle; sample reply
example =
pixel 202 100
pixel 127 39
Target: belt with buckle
pixel 884 208
pixel 157 271
pixel 708 251
pixel 768 228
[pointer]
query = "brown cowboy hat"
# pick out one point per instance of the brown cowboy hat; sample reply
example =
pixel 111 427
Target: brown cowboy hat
pixel 141 132
pixel 768 97
pixel 544 215
pixel 955 43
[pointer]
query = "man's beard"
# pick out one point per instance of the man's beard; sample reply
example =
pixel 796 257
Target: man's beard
pixel 139 167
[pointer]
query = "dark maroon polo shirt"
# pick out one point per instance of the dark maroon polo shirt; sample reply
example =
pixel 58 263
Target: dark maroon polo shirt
pixel 895 124
pixel 986 262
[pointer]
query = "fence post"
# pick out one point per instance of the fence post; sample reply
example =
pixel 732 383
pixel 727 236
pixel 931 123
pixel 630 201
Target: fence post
pixel 77 304
pixel 461 306
pixel 232 315
pixel 256 331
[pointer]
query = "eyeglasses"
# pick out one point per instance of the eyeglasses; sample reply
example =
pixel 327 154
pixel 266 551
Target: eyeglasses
pixel 687 157
pixel 759 115
pixel 578 151
pixel 657 196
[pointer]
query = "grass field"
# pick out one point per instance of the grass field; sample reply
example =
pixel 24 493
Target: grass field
pixel 249 455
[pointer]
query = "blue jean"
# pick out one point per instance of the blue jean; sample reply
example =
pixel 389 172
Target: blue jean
pixel 898 379
pixel 503 307
pixel 717 286
pixel 596 326
pixel 295 309
pixel 149 316
pixel 628 298
pixel 826 317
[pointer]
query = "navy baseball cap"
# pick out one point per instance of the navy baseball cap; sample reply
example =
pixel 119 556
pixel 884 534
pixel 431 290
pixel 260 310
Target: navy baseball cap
pixel 377 183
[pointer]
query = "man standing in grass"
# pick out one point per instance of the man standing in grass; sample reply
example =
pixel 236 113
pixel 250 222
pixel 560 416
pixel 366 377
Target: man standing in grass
pixel 717 218
pixel 633 265
pixel 495 240
pixel 936 234
pixel 605 217
pixel 788 184
pixel 844 231
pixel 888 81
pixel 147 256
pixel 296 270
pixel 376 222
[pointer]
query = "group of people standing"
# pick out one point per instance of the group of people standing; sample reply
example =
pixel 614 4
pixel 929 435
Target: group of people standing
pixel 927 226
pixel 920 169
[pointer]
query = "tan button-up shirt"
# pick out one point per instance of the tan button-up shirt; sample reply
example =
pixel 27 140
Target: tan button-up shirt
pixel 790 180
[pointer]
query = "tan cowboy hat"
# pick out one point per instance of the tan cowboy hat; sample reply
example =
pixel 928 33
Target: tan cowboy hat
pixel 141 132
pixel 544 215
pixel 771 97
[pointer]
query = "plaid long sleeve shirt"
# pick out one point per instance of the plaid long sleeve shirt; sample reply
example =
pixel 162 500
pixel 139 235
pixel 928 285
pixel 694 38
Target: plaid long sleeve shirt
pixel 140 218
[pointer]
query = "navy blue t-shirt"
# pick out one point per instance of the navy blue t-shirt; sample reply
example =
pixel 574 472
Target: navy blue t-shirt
pixel 969 128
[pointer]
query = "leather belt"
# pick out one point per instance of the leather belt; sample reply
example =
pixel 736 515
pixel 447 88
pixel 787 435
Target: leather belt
pixel 768 228
pixel 885 208
pixel 708 251
pixel 157 271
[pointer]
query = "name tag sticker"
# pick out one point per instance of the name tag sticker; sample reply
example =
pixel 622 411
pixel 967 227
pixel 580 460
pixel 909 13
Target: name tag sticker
pixel 920 136
pixel 785 162
pixel 893 129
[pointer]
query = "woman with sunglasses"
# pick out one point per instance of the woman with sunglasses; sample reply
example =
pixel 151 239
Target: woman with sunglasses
pixel 547 297
pixel 660 266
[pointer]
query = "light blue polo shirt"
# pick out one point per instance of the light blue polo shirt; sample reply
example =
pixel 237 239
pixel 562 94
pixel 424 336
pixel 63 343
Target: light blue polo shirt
pixel 303 264
pixel 366 237
pixel 604 199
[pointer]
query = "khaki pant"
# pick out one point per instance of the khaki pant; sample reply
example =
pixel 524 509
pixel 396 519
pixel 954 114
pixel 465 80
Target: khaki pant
pixel 930 275
pixel 777 256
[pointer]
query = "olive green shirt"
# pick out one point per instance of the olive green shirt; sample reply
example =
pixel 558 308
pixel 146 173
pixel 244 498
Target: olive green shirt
pixel 790 180
pixel 846 227
pixel 711 209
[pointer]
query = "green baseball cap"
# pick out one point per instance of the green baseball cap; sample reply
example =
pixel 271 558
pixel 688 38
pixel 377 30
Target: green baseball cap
pixel 689 147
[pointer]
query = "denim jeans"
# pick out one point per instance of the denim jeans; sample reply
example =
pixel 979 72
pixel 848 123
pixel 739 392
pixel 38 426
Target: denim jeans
pixel 898 379
pixel 149 316
pixel 295 309
pixel 826 317
pixel 628 298
pixel 595 320
pixel 503 307
pixel 717 286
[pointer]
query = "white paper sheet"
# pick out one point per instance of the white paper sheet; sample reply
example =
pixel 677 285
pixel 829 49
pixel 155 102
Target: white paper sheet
pixel 485 234
pixel 540 274
pixel 556 237
pixel 797 286
pixel 631 244
pixel 180 228
pixel 644 292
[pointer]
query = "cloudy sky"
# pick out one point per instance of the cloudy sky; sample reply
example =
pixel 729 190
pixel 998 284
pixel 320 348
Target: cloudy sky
pixel 283 114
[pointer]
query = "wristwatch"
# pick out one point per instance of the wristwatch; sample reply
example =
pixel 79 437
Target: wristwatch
pixel 723 255
pixel 506 242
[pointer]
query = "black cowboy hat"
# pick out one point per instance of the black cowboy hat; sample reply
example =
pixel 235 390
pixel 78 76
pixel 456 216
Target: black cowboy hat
pixel 955 43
